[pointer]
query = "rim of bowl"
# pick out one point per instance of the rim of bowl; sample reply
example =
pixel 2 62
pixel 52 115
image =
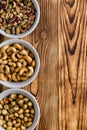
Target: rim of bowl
pixel 21 84
pixel 32 98
pixel 29 31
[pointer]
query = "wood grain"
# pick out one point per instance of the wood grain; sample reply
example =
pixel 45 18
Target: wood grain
pixel 61 86
pixel 73 62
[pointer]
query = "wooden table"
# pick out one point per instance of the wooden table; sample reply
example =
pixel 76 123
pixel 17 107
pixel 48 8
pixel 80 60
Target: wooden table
pixel 61 86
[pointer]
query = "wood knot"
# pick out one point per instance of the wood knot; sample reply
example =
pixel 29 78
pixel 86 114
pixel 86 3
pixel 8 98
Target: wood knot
pixel 70 2
pixel 44 34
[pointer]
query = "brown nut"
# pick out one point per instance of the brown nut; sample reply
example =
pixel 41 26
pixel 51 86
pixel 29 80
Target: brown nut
pixel 12 64
pixel 22 70
pixel 14 78
pixel 28 59
pixel 24 52
pixel 19 66
pixel 17 46
pixel 11 49
pixel 7 69
pixel 13 57
pixel 33 64
pixel 30 72
pixel 3 49
pixel 4 56
pixel 3 61
pixel 23 62
pixel 23 78
pixel 3 77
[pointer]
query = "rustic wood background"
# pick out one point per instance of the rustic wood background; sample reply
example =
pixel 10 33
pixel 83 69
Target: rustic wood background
pixel 61 86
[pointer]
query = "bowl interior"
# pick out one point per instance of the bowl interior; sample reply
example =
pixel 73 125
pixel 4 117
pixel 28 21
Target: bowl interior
pixel 33 50
pixel 36 5
pixel 28 95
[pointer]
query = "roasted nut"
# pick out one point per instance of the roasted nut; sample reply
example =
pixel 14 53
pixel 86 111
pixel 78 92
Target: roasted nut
pixel 4 57
pixel 4 126
pixel 24 52
pixel 17 63
pixel 14 78
pixel 23 128
pixel 20 111
pixel 6 107
pixel 23 62
pixel 9 128
pixel 30 104
pixel 20 102
pixel 29 124
pixel 1 107
pixel 12 64
pixel 19 117
pixel 20 96
pixel 22 70
pixel 13 56
pixel 3 61
pixel 3 77
pixel 33 64
pixel 4 112
pixel 23 78
pixel 13 96
pixel 11 49
pixel 17 46
pixel 28 59
pixel 30 72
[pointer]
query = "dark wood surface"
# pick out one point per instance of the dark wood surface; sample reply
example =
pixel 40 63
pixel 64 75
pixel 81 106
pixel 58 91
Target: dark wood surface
pixel 61 86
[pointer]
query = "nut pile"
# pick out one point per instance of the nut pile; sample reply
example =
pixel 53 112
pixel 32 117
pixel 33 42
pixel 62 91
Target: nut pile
pixel 16 16
pixel 17 63
pixel 16 112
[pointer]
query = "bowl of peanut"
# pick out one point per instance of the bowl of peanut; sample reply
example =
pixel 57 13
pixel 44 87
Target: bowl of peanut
pixel 18 18
pixel 19 110
pixel 19 63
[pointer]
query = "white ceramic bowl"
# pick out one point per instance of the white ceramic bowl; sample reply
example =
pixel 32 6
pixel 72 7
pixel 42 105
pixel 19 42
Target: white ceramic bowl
pixel 36 5
pixel 33 50
pixel 31 97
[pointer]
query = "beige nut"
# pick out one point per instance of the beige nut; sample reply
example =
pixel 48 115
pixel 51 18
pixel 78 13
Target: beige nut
pixel 22 70
pixel 33 64
pixel 4 69
pixel 23 62
pixel 3 61
pixel 9 76
pixel 3 49
pixel 31 71
pixel 28 59
pixel 22 78
pixel 7 69
pixel 4 56
pixel 19 56
pixel 11 49
pixel 12 64
pixel 3 77
pixel 14 78
pixel 17 46
pixel 18 77
pixel 19 66
pixel 24 52
pixel 1 68
pixel 13 57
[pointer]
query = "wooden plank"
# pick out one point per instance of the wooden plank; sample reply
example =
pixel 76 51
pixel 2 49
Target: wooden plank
pixel 73 61
pixel 45 40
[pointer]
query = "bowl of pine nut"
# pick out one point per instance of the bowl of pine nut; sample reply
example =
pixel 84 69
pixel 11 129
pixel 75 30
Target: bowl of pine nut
pixel 19 110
